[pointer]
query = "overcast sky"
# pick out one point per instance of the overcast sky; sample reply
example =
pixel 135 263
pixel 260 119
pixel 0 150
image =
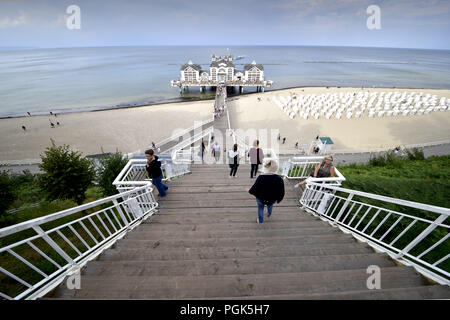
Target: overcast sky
pixel 404 23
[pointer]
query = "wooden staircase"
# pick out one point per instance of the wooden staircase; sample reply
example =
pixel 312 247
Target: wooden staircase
pixel 204 243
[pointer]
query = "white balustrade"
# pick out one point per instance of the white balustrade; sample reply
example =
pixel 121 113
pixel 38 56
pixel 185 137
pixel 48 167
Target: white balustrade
pixel 42 252
pixel 387 225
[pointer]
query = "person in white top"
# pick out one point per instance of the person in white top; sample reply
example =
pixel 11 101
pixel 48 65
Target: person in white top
pixel 234 157
pixel 216 151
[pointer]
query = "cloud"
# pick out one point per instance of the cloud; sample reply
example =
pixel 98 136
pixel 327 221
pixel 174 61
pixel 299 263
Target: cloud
pixel 8 22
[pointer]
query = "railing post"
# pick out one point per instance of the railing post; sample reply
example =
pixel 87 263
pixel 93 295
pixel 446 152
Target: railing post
pixel 121 213
pixel 349 198
pixel 286 168
pixel 54 245
pixel 169 170
pixel 421 236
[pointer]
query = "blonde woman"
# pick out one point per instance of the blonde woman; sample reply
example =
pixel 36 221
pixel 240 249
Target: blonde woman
pixel 324 169
pixel 256 155
pixel 268 189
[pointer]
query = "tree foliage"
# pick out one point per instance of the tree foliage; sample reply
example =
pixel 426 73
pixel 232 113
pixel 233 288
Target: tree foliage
pixel 110 167
pixel 7 195
pixel 67 174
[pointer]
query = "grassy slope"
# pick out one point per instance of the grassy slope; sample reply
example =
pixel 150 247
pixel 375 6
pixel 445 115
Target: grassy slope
pixel 425 181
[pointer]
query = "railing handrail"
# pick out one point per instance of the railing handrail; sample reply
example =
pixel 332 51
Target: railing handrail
pixel 348 214
pixel 125 169
pixel 182 133
pixel 119 181
pixel 173 150
pixel 89 236
pixel 304 165
pixel 58 215
pixel 407 203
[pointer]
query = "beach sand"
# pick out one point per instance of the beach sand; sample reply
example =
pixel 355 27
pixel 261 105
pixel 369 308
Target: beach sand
pixel 358 134
pixel 133 129
pixel 127 130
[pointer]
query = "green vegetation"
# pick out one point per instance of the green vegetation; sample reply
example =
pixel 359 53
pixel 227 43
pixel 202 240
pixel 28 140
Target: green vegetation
pixel 9 285
pixel 67 174
pixel 28 192
pixel 110 167
pixel 408 177
pixel 7 197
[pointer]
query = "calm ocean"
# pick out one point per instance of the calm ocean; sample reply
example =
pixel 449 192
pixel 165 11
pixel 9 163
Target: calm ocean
pixel 81 79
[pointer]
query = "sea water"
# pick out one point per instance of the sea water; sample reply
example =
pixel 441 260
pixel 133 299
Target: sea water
pixel 85 79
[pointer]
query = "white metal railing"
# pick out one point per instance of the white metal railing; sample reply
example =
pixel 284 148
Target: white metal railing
pixel 172 138
pixel 36 255
pixel 302 167
pixel 409 232
pixel 187 142
pixel 179 153
pixel 134 174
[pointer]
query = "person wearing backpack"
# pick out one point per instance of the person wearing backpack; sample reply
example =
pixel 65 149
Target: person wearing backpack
pixel 256 155
pixel 267 189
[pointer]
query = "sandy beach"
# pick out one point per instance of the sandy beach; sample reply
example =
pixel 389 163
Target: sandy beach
pixel 347 134
pixel 132 129
pixel 127 130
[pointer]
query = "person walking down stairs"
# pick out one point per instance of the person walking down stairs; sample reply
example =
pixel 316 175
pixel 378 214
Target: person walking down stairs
pixel 234 157
pixel 256 155
pixel 268 189
pixel 154 171
pixel 216 151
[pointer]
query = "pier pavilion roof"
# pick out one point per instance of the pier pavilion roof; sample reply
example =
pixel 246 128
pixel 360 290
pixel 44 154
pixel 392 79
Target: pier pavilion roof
pixel 227 60
pixel 249 66
pixel 192 65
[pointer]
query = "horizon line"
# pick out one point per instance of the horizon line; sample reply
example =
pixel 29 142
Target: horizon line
pixel 217 45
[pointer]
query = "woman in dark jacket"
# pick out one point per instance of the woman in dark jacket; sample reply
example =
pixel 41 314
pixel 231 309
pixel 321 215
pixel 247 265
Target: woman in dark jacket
pixel 154 171
pixel 268 189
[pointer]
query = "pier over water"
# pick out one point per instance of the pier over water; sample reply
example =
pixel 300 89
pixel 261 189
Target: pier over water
pixel 222 71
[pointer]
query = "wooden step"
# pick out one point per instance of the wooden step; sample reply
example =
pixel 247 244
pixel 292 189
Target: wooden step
pixel 143 254
pixel 427 292
pixel 242 195
pixel 206 203
pixel 242 266
pixel 233 212
pixel 215 286
pixel 206 225
pixel 146 234
pixel 256 242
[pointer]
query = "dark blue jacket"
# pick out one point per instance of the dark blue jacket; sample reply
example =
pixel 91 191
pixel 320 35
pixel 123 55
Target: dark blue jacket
pixel 154 168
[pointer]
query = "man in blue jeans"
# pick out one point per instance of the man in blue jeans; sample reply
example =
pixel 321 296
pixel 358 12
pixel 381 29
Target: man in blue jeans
pixel 154 171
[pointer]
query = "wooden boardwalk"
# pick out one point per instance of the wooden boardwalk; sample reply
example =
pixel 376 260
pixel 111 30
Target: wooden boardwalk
pixel 204 243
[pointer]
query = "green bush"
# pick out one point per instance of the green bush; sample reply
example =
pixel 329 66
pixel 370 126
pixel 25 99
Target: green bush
pixel 415 154
pixel 110 167
pixel 420 180
pixel 67 174
pixel 7 197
